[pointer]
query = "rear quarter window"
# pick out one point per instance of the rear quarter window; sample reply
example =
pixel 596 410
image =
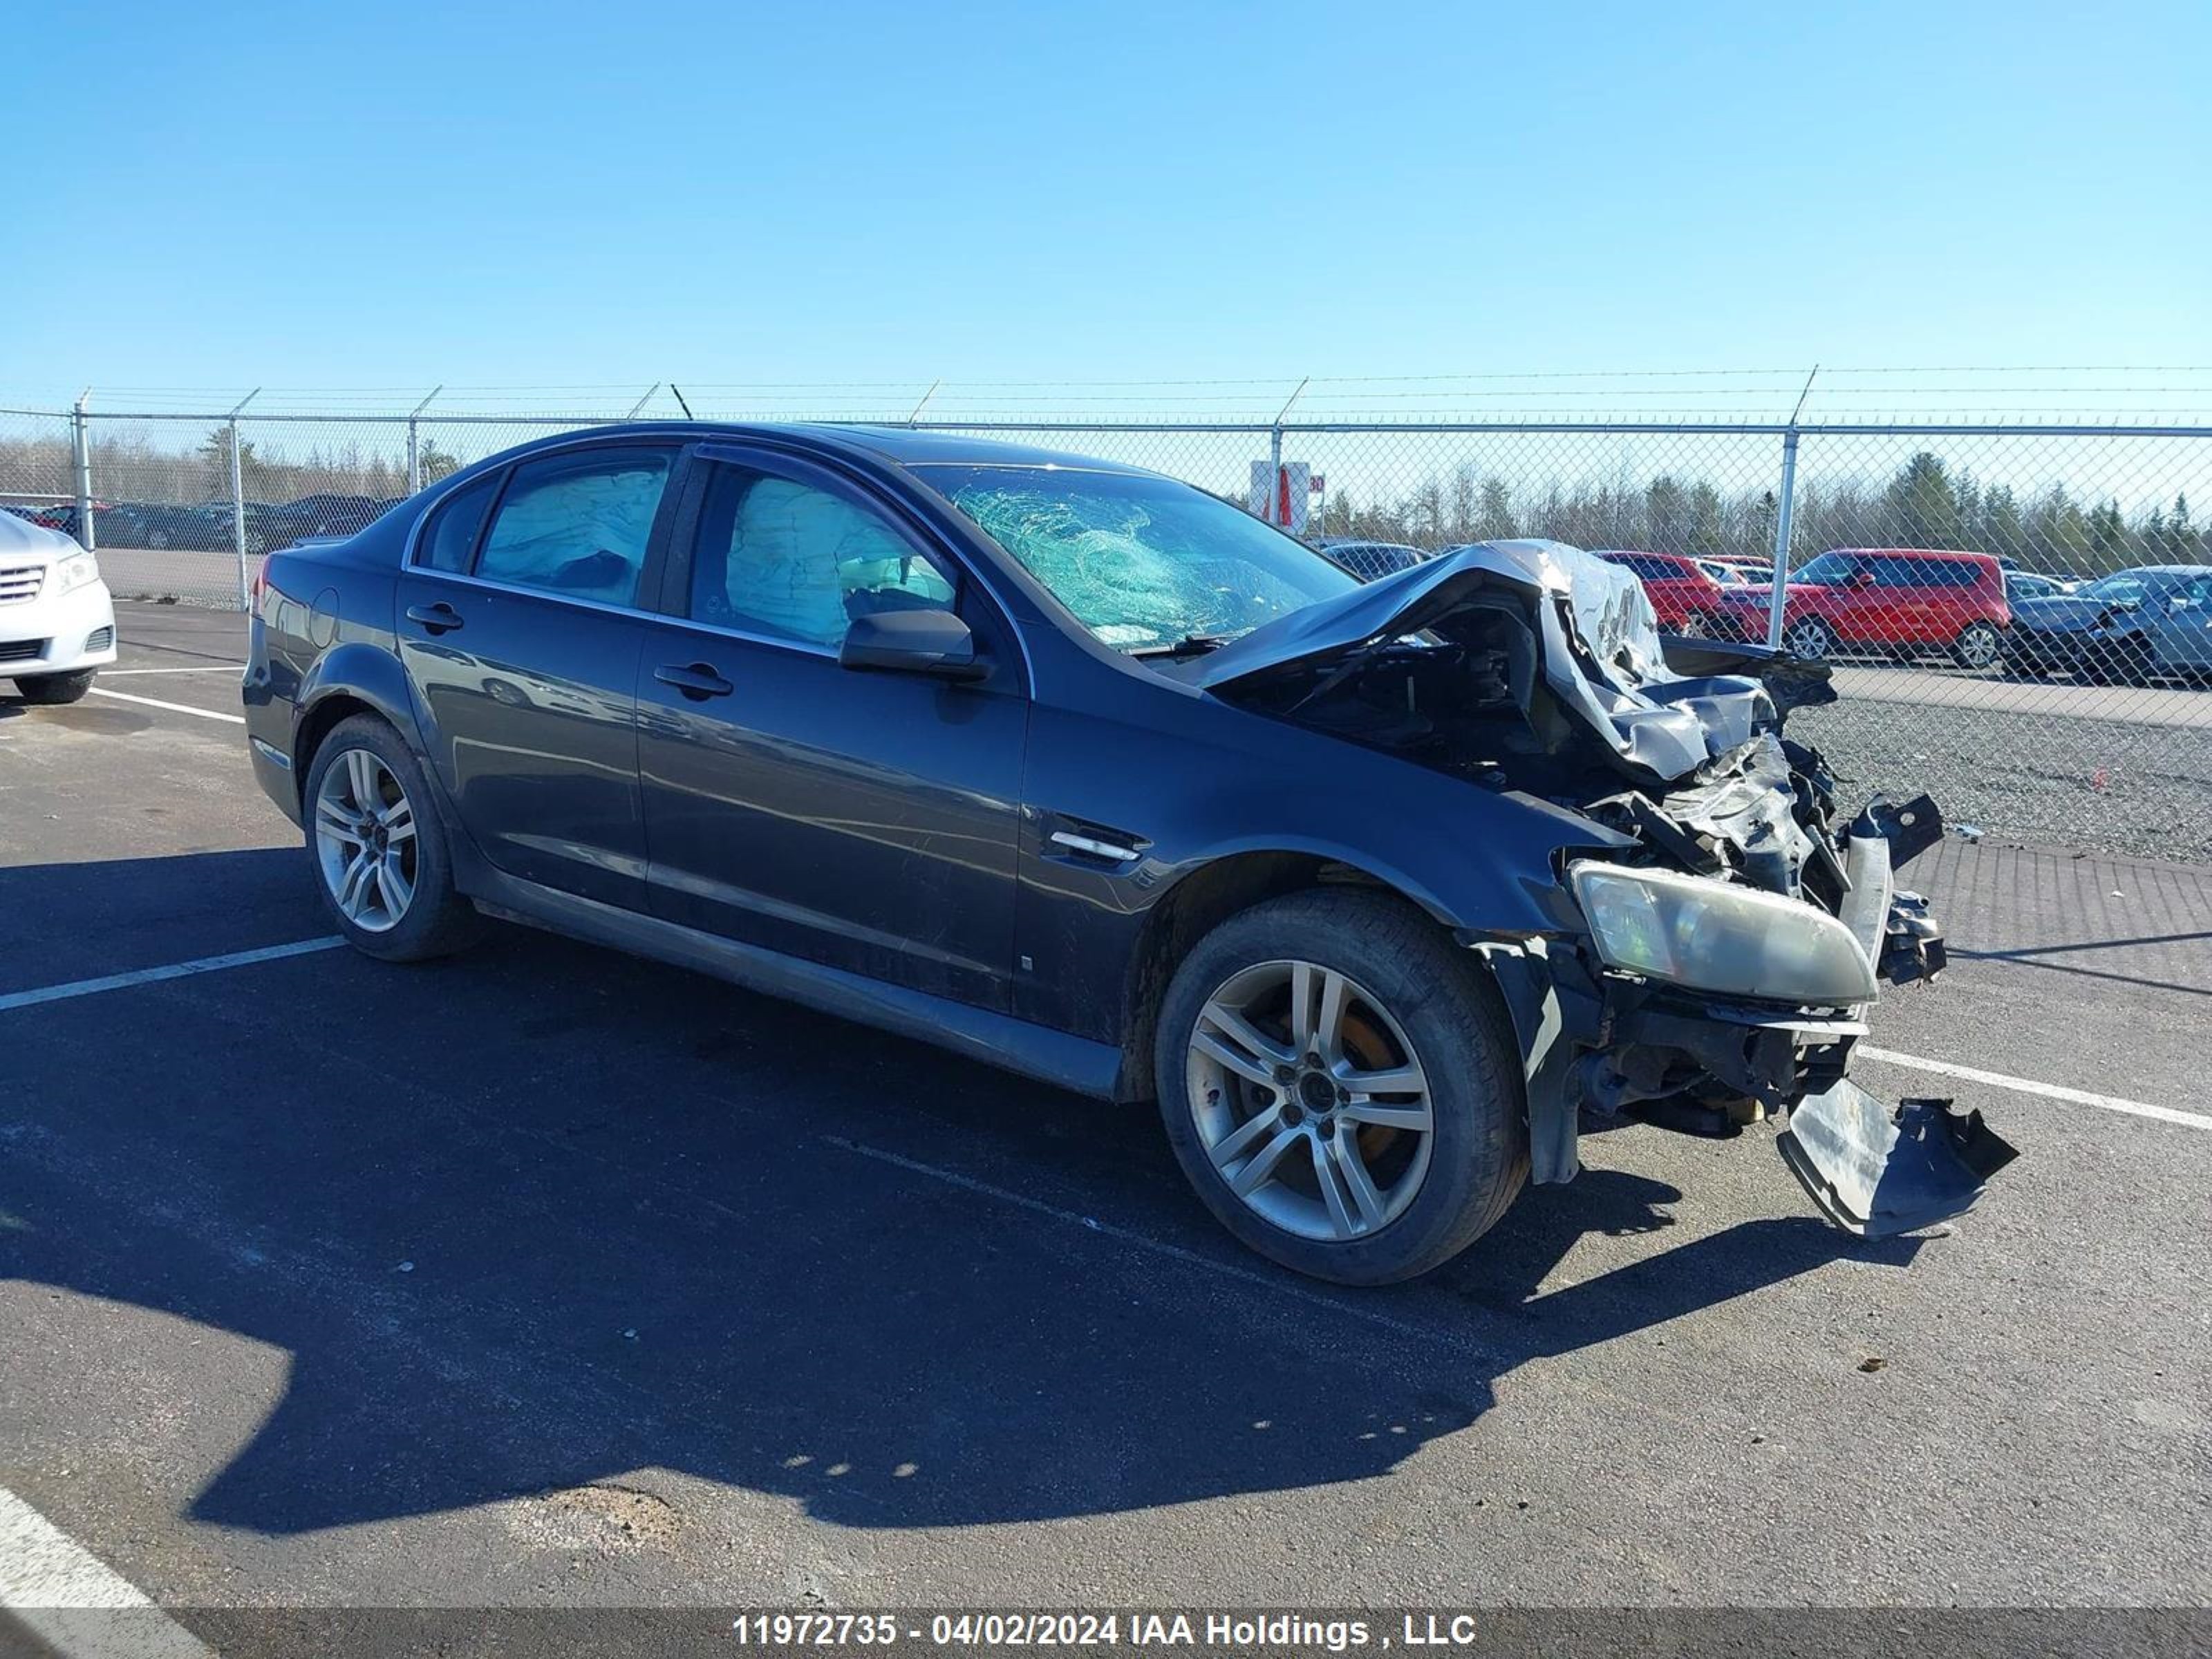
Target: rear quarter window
pixel 451 534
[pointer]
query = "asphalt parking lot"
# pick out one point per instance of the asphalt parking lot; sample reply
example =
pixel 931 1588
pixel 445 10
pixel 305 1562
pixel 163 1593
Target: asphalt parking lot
pixel 545 1277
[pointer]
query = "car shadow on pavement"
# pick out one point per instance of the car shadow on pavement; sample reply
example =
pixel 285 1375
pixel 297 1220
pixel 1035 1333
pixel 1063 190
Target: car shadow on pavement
pixel 2036 955
pixel 543 1216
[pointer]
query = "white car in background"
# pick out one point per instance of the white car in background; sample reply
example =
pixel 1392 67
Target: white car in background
pixel 57 620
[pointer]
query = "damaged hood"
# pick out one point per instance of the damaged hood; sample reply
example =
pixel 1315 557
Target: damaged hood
pixel 1598 641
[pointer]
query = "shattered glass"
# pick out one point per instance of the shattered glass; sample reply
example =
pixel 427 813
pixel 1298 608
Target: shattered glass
pixel 1141 561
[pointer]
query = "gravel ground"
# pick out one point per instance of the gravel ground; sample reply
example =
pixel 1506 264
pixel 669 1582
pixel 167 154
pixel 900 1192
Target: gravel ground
pixel 2087 785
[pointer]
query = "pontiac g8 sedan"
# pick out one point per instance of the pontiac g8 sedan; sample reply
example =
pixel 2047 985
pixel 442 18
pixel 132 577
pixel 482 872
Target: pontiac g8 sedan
pixel 1380 890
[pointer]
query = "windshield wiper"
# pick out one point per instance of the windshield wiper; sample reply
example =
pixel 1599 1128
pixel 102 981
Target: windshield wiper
pixel 1190 644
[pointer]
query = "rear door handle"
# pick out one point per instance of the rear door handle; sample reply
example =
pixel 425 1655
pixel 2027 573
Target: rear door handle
pixel 439 618
pixel 697 681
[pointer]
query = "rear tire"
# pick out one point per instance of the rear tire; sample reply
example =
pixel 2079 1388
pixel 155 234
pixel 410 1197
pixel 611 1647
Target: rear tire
pixel 1341 1182
pixel 378 848
pixel 51 690
pixel 1977 647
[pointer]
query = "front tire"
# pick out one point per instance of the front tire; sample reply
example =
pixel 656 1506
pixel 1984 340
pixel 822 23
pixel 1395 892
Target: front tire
pixel 1342 1087
pixel 1809 639
pixel 51 690
pixel 378 848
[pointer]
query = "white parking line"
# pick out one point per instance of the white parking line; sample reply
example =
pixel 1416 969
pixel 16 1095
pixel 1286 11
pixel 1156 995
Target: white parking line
pixel 2029 1086
pixel 71 1602
pixel 173 707
pixel 85 987
pixel 212 668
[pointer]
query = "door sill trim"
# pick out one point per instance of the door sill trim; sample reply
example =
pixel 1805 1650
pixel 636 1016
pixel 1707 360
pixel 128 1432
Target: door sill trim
pixel 1059 1058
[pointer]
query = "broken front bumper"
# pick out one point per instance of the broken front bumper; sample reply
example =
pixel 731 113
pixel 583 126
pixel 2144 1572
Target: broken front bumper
pixel 1611 1045
pixel 1876 1170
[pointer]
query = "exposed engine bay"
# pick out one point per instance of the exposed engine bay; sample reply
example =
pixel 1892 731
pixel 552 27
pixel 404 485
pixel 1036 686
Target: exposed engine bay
pixel 1737 919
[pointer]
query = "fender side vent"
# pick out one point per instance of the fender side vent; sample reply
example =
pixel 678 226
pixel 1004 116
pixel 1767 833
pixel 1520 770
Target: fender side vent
pixel 1081 842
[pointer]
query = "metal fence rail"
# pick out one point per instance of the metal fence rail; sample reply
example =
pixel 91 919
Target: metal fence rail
pixel 2081 722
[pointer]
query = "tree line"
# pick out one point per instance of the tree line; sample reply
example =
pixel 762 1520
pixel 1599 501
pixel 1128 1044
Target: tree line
pixel 129 466
pixel 1924 504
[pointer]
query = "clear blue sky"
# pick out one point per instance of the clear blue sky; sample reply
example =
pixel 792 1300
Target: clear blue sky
pixel 386 196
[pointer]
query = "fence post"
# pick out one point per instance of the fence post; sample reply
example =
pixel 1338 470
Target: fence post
pixel 238 517
pixel 1780 576
pixel 238 504
pixel 80 439
pixel 415 443
pixel 1276 516
pixel 1278 504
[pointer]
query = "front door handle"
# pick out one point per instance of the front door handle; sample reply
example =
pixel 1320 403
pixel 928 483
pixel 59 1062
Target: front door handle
pixel 439 618
pixel 697 681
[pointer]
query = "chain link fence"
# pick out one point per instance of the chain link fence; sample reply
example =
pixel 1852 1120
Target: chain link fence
pixel 2020 615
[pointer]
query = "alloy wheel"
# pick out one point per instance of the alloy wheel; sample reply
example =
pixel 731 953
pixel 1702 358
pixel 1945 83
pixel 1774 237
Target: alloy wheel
pixel 1808 640
pixel 365 841
pixel 1978 646
pixel 1309 1100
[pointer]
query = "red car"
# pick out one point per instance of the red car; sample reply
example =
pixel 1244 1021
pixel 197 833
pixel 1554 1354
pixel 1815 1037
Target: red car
pixel 1893 599
pixel 1685 595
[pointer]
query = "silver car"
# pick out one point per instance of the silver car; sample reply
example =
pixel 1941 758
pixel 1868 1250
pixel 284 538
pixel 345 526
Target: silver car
pixel 2152 623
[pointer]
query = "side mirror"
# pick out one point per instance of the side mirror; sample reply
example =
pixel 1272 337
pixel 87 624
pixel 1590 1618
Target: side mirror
pixel 932 642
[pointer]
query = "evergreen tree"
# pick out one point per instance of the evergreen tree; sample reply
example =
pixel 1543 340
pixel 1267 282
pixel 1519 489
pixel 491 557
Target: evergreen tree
pixel 1920 508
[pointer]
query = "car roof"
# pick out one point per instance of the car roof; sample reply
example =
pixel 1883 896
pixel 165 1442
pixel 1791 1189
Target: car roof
pixel 1917 552
pixel 902 446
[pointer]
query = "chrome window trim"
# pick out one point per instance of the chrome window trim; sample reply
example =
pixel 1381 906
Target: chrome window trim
pixel 580 603
pixel 461 480
pixel 804 647
pixel 688 443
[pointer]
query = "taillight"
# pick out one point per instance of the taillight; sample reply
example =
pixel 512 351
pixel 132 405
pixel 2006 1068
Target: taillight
pixel 260 581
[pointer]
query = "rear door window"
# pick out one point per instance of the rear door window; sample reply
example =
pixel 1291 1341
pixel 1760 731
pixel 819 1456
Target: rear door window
pixel 578 526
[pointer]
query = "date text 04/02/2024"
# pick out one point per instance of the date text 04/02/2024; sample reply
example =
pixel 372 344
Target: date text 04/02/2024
pixel 1040 1629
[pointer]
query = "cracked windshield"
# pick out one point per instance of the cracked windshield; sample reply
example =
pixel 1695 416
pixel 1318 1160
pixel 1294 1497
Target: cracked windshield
pixel 1147 564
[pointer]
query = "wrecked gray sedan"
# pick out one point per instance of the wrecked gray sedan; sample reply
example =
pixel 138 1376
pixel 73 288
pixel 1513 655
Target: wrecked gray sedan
pixel 1379 890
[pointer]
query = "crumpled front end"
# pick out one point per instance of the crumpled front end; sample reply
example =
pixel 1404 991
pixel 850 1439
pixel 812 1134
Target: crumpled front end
pixel 1736 920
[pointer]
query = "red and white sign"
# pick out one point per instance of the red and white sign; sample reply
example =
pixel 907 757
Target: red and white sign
pixel 1279 494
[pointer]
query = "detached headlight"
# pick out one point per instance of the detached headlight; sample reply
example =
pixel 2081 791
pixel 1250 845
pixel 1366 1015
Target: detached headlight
pixel 1714 936
pixel 74 572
